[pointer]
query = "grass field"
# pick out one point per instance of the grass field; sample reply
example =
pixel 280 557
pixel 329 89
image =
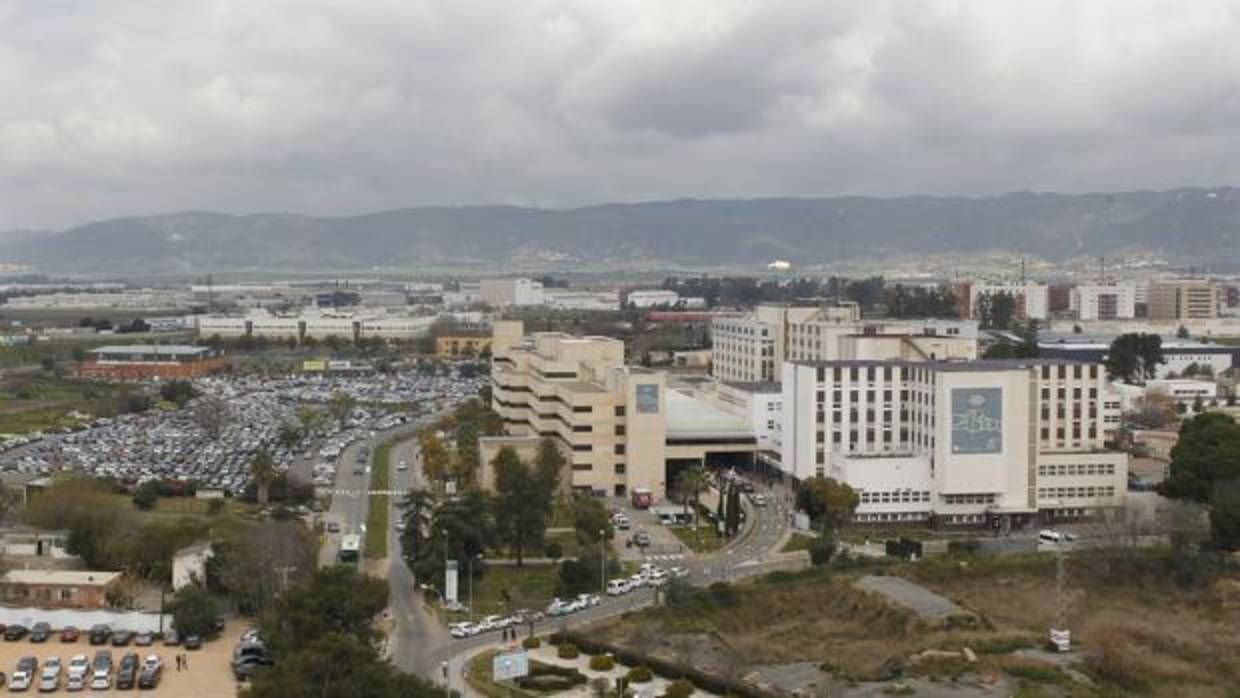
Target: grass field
pixel 798 541
pixel 1136 633
pixel 42 401
pixel 505 589
pixel 377 518
pixel 703 540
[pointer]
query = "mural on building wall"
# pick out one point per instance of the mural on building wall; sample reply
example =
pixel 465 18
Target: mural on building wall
pixel 977 420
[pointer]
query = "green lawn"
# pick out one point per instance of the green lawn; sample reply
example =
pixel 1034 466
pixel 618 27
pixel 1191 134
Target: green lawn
pixel 798 541
pixel 377 517
pixel 42 401
pixel 704 540
pixel 505 589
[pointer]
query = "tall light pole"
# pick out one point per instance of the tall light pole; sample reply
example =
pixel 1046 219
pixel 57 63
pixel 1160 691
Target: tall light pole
pixel 602 560
pixel 469 570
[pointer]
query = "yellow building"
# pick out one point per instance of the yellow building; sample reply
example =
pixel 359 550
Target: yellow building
pixel 451 346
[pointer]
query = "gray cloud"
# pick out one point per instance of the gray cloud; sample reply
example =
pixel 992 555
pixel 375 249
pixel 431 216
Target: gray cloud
pixel 325 107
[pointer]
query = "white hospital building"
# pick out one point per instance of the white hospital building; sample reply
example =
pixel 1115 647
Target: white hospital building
pixel 985 442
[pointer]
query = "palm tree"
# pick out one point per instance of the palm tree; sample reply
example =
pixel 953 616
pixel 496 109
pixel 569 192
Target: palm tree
pixel 263 470
pixel 689 486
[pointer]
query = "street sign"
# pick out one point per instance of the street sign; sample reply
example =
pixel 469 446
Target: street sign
pixel 510 665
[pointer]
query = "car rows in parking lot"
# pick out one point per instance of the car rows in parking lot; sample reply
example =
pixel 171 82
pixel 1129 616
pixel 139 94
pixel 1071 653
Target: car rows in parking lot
pixel 81 672
pixel 172 445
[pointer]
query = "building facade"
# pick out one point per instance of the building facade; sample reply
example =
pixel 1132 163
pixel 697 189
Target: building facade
pixel 502 293
pixel 961 443
pixel 58 588
pixel 141 361
pixel 1104 302
pixel 1032 299
pixel 1184 299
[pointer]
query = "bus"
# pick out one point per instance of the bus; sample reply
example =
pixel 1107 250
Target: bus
pixel 350 549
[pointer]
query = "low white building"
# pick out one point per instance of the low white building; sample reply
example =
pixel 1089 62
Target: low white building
pixel 575 299
pixel 1183 390
pixel 189 565
pixel 1104 301
pixel 652 298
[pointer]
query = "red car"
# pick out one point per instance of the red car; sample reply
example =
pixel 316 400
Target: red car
pixel 69 634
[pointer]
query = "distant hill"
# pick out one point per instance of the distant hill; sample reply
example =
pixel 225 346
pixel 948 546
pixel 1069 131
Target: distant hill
pixel 1187 225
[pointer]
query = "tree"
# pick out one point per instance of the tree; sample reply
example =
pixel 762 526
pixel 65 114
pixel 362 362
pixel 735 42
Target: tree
pixel 310 418
pixel 211 414
pixel 464 525
pixel 590 517
pixel 253 563
pixel 144 498
pixel 289 435
pixel 1134 357
pixel 263 472
pixel 336 665
pixel 1205 468
pixel 417 509
pixel 690 485
pixel 582 575
pixel 194 611
pixel 179 392
pixel 828 502
pixel 468 456
pixel 732 520
pixel 523 500
pixel 335 600
pixel 340 406
pixel 434 456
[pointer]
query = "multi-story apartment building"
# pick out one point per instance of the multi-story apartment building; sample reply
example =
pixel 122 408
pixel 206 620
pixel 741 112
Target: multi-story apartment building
pixel 1183 299
pixel 619 427
pixel 1104 301
pixel 502 293
pixel 979 442
pixel 750 349
pixel 1032 299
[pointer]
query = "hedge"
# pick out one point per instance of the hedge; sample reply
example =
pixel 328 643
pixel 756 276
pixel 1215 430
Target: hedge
pixel 567 651
pixel 602 662
pixel 668 669
pixel 548 678
pixel 639 674
pixel 679 688
pixel 531 643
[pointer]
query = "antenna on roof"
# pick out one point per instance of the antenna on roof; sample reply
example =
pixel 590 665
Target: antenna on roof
pixel 1022 270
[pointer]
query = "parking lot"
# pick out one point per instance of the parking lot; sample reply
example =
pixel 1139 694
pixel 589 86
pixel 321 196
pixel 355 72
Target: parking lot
pixel 208 674
pixel 173 445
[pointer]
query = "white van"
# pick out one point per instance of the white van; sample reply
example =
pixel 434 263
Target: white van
pixel 618 587
pixel 1048 536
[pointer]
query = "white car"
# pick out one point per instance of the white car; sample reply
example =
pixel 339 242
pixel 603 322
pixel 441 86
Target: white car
pixel 101 681
pixel 462 630
pixel 49 680
pixel 79 664
pixel 495 622
pixel 657 578
pixel 588 599
pixel 679 572
pixel 637 581
pixel 647 568
pixel 75 682
pixel 618 587
pixel 20 680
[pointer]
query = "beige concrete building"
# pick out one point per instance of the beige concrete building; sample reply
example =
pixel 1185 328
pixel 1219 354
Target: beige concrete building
pixel 621 428
pixel 751 349
pixel 1183 299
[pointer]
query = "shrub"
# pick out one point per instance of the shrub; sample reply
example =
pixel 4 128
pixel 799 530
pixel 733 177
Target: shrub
pixel 723 594
pixel 567 651
pixel 821 550
pixel 968 546
pixel 553 550
pixel 602 662
pixel 640 674
pixel 547 678
pixel 680 688
pixel 531 643
pixel 556 639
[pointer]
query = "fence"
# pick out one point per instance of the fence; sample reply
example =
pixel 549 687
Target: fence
pixel 136 621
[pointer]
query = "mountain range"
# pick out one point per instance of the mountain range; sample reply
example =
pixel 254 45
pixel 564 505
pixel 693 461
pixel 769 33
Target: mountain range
pixel 1184 225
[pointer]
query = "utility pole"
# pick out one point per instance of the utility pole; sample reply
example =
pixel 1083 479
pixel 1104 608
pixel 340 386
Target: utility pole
pixel 602 560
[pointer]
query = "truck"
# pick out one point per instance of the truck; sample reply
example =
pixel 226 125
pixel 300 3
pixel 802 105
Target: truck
pixel 642 498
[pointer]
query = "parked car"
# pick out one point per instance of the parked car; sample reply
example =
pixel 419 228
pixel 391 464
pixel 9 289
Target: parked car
pixel 618 587
pixel 79 669
pixel 152 672
pixel 101 674
pixel 461 631
pixel 39 632
pixel 558 607
pixel 69 633
pixel 49 678
pixel 679 572
pixel 247 659
pixel 171 639
pixel 127 673
pixel 14 632
pixel 193 642
pixel 587 600
pixel 21 679
pixel 100 634
pixel 144 638
pixel 495 623
pixel 121 638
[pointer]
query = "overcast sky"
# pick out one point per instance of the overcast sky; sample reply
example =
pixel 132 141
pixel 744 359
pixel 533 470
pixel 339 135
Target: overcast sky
pixel 144 106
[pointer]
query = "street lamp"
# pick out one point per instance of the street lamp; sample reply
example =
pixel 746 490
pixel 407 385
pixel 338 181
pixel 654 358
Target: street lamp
pixel 602 560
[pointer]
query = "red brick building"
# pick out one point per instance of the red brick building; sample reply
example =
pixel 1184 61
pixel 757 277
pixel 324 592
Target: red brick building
pixel 139 361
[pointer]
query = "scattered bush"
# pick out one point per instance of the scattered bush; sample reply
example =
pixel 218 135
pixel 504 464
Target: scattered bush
pixel 547 678
pixel 968 546
pixel 553 550
pixel 640 674
pixel 556 639
pixel 531 643
pixel 821 550
pixel 723 594
pixel 602 662
pixel 680 688
pixel 567 651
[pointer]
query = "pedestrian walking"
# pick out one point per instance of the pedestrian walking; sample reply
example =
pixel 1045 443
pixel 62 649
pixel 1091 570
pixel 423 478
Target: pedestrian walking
pixel 185 661
pixel 178 658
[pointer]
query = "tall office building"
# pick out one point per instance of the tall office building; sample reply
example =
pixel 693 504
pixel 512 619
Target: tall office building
pixel 1184 299
pixel 978 442
pixel 1104 301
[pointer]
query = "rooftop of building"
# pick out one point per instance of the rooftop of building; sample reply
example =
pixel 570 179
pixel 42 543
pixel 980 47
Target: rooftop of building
pixel 1073 340
pixel 949 366
pixel 691 417
pixel 757 387
pixel 168 349
pixel 81 578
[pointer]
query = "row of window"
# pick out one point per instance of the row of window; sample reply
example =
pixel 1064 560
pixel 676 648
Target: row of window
pixel 1075 492
pixel 897 497
pixel 968 499
pixel 1054 469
